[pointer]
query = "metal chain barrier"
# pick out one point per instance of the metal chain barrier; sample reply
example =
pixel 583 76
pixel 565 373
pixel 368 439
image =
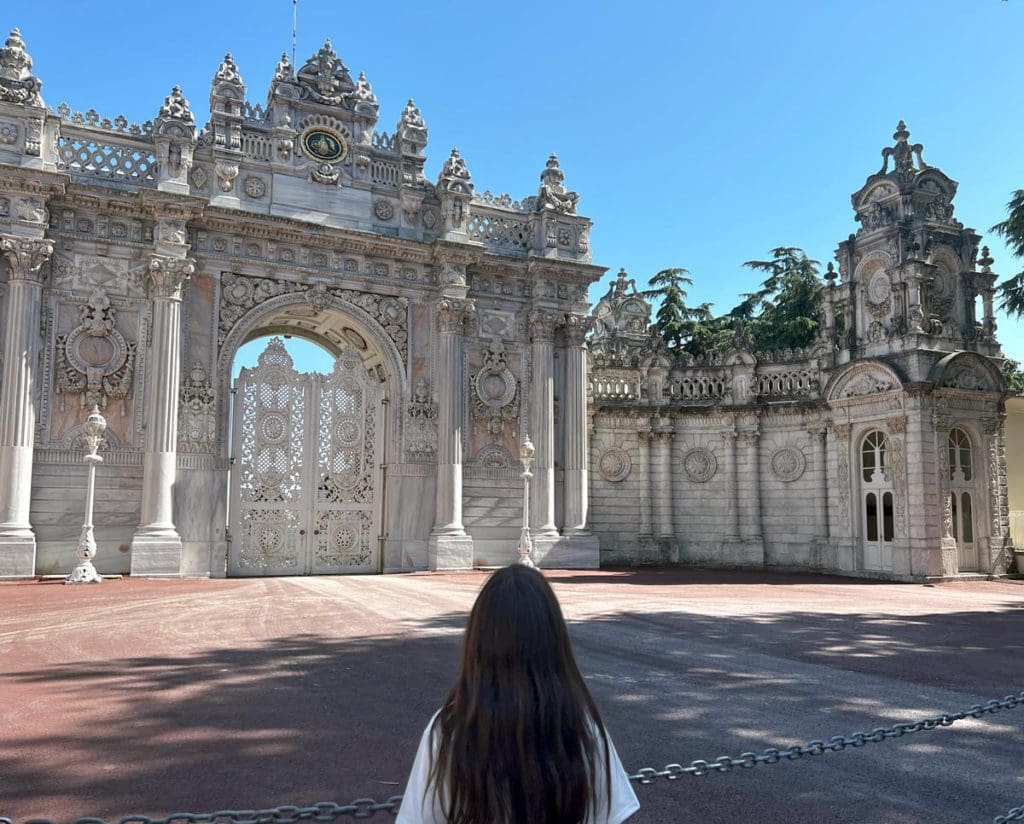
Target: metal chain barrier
pixel 326 812
pixel 837 743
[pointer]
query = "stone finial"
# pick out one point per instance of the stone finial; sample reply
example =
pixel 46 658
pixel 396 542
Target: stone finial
pixel 454 175
pixel 176 107
pixel 830 273
pixel 325 78
pixel 553 195
pixel 903 153
pixel 363 92
pixel 284 71
pixel 411 130
pixel 228 72
pixel 411 117
pixel 986 260
pixel 17 83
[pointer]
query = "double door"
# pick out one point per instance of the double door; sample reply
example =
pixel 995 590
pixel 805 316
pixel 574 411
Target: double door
pixel 305 473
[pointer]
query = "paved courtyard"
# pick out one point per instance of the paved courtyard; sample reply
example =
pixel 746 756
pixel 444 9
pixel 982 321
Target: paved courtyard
pixel 162 696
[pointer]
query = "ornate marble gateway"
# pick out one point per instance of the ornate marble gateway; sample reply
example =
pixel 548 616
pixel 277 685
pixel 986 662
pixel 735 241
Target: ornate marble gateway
pixel 177 241
pixel 138 257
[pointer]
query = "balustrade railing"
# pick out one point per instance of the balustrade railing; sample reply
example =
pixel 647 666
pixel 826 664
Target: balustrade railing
pixel 99 153
pixel 499 229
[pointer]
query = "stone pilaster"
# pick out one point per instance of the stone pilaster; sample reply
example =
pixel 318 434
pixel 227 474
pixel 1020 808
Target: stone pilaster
pixel 661 480
pixel 949 561
pixel 18 402
pixel 449 546
pixel 542 424
pixel 156 545
pixel 819 437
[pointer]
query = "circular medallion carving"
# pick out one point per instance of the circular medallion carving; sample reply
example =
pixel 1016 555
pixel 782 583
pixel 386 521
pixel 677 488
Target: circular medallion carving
pixel 87 352
pixel 788 463
pixel 347 433
pixel 496 387
pixel 324 145
pixel 273 428
pixel 615 465
pixel 269 539
pixel 700 464
pixel 384 210
pixel 254 187
pixel 879 288
pixel 345 537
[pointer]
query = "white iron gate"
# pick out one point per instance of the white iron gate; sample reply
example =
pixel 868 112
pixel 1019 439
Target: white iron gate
pixel 304 486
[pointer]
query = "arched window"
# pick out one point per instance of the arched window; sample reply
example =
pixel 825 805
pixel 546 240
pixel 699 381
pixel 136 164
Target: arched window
pixel 961 497
pixel 959 456
pixel 877 507
pixel 874 464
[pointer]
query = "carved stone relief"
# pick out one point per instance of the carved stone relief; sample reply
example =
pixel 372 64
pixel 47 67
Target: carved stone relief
pixel 197 420
pixel 496 391
pixel 421 424
pixel 614 464
pixel 788 464
pixel 94 361
pixel 700 464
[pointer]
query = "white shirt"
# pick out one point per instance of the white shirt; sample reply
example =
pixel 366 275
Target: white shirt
pixel 420 804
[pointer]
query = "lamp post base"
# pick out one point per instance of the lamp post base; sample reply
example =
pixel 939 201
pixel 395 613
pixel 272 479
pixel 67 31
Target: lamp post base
pixel 84 573
pixel 525 548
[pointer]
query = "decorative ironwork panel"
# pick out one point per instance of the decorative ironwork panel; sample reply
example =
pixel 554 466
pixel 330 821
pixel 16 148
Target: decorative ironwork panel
pixel 268 489
pixel 305 475
pixel 346 465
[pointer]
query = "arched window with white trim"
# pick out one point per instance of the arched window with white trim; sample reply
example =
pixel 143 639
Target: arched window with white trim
pixel 877 502
pixel 963 498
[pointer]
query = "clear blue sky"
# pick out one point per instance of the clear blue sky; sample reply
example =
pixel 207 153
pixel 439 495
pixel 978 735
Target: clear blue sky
pixel 698 134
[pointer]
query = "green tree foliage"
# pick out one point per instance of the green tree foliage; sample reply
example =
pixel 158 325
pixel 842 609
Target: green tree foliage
pixel 673 314
pixel 1014 376
pixel 786 311
pixel 1011 290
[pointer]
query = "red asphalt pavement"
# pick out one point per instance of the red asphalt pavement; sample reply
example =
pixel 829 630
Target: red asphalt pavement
pixel 154 697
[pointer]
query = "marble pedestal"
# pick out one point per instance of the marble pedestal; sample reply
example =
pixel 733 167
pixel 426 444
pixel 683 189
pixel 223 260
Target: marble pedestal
pixel 17 556
pixel 156 556
pixel 450 552
pixel 579 551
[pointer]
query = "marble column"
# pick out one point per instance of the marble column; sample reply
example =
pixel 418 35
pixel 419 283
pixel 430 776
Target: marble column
pixel 156 545
pixel 449 546
pixel 574 404
pixel 26 257
pixel 542 424
pixel 819 552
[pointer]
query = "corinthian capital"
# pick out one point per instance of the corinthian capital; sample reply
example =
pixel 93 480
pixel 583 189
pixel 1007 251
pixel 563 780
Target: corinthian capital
pixel 576 329
pixel 453 313
pixel 167 275
pixel 543 325
pixel 26 256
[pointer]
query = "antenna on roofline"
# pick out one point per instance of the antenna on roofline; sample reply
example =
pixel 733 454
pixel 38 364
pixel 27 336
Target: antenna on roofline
pixel 295 20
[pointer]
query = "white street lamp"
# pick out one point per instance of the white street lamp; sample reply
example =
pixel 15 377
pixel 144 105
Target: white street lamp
pixel 85 572
pixel 525 542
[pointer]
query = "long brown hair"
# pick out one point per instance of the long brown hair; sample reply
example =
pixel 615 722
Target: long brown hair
pixel 519 733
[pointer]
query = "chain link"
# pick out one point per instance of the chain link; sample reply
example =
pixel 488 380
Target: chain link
pixel 1016 814
pixel 836 743
pixel 326 811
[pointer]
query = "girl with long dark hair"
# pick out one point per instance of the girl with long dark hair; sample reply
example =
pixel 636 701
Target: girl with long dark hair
pixel 519 739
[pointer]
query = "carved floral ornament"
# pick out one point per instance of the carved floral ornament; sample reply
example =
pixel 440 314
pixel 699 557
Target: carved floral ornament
pixel 788 464
pixel 614 465
pixel 700 464
pixel 94 361
pixel 167 275
pixel 453 314
pixel 496 390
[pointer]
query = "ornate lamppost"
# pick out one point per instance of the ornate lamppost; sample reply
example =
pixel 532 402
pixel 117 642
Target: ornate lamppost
pixel 85 572
pixel 525 542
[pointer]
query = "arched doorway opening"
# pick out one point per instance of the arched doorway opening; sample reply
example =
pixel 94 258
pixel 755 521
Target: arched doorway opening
pixel 876 499
pixel 307 435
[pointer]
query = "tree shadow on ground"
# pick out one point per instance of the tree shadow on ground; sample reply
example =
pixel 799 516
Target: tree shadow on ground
pixel 310 717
